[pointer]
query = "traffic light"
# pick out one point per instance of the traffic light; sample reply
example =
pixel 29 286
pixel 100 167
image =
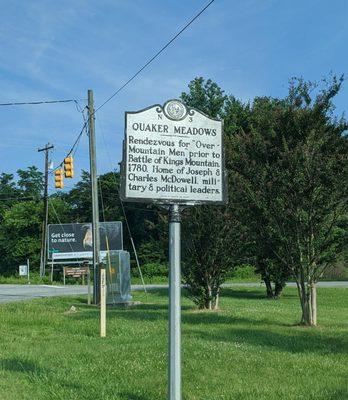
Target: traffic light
pixel 68 167
pixel 58 179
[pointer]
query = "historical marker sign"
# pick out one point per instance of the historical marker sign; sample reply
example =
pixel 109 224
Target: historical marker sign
pixel 173 154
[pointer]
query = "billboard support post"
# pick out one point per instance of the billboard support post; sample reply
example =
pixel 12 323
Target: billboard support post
pixel 52 266
pixel 174 304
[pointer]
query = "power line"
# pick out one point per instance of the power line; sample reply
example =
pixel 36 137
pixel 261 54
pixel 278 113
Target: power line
pixel 115 93
pixel 76 143
pixel 78 108
pixel 24 103
pixel 155 56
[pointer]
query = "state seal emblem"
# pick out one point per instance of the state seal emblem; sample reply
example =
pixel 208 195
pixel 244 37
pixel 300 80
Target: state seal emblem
pixel 175 110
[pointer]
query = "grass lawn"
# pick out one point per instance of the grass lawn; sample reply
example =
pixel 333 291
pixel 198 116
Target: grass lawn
pixel 251 349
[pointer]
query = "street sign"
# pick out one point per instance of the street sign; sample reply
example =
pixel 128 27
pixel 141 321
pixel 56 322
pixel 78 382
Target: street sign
pixel 74 241
pixel 23 270
pixel 173 154
pixel 76 272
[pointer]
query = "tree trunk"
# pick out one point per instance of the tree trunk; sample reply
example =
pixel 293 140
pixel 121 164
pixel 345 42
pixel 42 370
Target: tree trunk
pixel 278 289
pixel 313 304
pixel 306 312
pixel 216 301
pixel 269 290
pixel 209 299
pixel 308 297
pixel 305 303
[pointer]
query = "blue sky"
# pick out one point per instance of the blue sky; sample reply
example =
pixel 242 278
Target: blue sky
pixel 57 50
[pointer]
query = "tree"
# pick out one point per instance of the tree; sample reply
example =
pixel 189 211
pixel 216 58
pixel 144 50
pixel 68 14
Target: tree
pixel 212 238
pixel 206 96
pixel 211 233
pixel 251 160
pixel 30 182
pixel 290 167
pixel 20 216
pixel 8 192
pixel 20 235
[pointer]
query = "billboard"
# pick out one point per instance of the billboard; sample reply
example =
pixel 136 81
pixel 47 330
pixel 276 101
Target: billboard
pixel 74 241
pixel 173 154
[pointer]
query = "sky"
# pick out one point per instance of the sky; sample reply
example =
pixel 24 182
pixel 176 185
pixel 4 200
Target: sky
pixel 60 49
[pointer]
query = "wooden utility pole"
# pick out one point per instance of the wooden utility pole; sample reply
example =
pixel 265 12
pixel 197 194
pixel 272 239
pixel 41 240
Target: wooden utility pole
pixel 43 255
pixel 95 205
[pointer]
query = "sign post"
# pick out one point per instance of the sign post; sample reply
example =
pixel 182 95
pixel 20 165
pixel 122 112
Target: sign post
pixel 89 287
pixel 173 156
pixel 174 304
pixel 102 301
pixel 28 264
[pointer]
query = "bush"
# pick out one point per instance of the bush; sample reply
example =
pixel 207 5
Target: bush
pixel 150 270
pixel 244 272
pixel 151 252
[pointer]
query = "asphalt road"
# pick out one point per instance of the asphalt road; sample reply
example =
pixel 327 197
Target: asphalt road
pixel 10 293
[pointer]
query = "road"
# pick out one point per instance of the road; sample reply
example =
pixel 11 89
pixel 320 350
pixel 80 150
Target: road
pixel 10 293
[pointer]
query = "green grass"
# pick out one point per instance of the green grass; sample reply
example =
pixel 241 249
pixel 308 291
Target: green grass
pixel 251 349
pixel 20 280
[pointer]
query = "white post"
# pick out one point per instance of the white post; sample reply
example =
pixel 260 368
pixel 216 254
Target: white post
pixel 89 286
pixel 28 273
pixel 174 389
pixel 102 302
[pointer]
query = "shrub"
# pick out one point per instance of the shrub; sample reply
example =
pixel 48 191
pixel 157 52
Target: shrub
pixel 245 271
pixel 151 270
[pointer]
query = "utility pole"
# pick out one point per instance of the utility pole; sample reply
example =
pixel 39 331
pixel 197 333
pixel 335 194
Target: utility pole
pixel 95 205
pixel 43 255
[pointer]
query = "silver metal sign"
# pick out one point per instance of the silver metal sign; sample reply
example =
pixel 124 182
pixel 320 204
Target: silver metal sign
pixel 173 154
